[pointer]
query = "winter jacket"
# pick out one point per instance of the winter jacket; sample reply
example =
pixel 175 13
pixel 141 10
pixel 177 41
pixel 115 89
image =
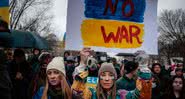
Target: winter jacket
pixel 39 93
pixel 52 94
pixel 79 84
pixel 5 83
pixel 69 73
pixel 20 87
pixel 36 83
pixel 121 94
pixel 126 83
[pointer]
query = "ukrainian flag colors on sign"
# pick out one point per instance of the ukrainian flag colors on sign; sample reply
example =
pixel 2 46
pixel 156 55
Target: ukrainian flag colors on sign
pixel 126 35
pixel 112 25
pixel 116 23
pixel 4 10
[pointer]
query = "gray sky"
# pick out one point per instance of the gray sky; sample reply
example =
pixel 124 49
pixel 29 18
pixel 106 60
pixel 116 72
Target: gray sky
pixel 170 4
pixel 60 12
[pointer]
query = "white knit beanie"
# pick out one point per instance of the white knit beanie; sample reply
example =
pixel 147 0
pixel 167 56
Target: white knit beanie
pixel 58 64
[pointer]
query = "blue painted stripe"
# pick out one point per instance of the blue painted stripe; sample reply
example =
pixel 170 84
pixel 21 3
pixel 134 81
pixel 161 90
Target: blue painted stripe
pixel 96 8
pixel 4 3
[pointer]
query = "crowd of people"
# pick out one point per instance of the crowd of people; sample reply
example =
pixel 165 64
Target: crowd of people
pixel 44 76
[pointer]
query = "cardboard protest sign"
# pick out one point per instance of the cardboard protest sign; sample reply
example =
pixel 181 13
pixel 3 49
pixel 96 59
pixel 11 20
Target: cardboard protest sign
pixel 112 25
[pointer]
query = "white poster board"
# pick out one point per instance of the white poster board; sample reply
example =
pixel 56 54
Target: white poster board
pixel 85 25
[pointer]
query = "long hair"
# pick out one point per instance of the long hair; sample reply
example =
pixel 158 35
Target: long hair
pixel 170 91
pixel 101 94
pixel 66 90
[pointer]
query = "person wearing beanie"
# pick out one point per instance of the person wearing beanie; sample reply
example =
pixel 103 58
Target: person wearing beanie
pixel 128 82
pixel 106 88
pixel 56 86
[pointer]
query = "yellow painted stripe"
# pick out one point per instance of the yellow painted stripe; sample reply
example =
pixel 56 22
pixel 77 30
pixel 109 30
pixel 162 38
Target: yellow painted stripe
pixel 92 33
pixel 4 13
pixel 91 85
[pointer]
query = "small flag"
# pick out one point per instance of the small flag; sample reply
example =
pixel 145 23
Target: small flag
pixel 4 10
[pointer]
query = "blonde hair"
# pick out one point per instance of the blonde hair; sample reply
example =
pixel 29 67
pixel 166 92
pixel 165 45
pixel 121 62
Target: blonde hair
pixel 100 91
pixel 66 90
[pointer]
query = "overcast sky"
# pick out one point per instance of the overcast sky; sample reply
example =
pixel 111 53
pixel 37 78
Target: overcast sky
pixel 60 12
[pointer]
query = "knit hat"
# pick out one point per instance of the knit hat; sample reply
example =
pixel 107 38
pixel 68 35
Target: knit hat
pixel 107 67
pixel 58 64
pixel 130 66
pixel 70 59
pixel 43 55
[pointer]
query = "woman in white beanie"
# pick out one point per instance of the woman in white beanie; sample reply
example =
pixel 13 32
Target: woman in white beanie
pixel 56 85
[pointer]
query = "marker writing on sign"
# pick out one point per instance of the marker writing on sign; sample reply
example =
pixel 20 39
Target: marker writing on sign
pixel 113 7
pixel 122 33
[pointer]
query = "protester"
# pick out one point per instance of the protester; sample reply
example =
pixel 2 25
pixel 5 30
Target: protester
pixel 106 88
pixel 66 54
pixel 176 89
pixel 70 66
pixel 116 66
pixel 5 82
pixel 56 86
pixel 156 87
pixel 164 81
pixel 80 74
pixel 81 91
pixel 34 61
pixel 128 82
pixel 9 55
pixel 92 67
pixel 20 73
pixel 122 68
pixel 179 72
pixel 40 78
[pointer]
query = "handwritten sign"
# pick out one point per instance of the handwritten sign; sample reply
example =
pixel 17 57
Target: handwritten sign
pixel 126 35
pixel 112 25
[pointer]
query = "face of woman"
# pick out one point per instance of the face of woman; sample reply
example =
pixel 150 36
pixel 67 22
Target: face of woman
pixel 177 84
pixel 107 80
pixel 53 77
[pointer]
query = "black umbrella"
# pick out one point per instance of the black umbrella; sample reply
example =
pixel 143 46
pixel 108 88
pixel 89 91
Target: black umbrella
pixel 20 39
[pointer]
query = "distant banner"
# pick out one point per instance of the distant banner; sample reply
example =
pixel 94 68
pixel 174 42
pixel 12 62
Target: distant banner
pixel 4 10
pixel 112 25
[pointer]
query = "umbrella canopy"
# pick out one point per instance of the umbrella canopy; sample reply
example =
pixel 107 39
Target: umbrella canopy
pixel 20 39
pixel 6 39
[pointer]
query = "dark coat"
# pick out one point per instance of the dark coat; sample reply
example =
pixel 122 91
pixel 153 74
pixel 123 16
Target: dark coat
pixel 20 87
pixel 5 83
pixel 125 83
